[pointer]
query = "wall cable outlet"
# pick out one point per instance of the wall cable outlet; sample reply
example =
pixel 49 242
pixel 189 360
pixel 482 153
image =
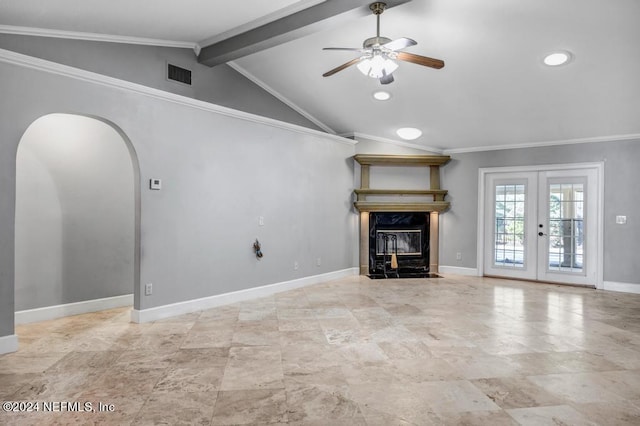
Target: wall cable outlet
pixel 155 184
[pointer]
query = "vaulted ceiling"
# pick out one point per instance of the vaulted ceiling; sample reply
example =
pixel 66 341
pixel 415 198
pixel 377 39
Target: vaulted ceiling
pixel 493 91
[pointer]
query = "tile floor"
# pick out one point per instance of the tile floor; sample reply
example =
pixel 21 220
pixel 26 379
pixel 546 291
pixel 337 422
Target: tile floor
pixel 448 351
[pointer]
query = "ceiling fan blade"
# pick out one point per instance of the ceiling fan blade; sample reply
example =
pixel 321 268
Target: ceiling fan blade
pixel 351 49
pixel 386 79
pixel 341 67
pixel 420 60
pixel 400 43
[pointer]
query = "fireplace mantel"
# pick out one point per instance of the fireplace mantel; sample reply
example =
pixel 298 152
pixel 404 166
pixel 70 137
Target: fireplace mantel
pixel 381 206
pixel 404 200
pixel 403 197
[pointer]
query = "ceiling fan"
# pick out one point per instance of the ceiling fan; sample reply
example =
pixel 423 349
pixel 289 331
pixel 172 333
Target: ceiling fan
pixel 379 53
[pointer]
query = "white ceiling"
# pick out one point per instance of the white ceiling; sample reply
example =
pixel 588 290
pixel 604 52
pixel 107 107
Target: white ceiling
pixel 183 20
pixel 493 91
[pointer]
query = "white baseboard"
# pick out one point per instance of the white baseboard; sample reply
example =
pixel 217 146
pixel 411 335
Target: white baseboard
pixel 180 308
pixel 458 270
pixel 8 344
pixel 59 311
pixel 622 287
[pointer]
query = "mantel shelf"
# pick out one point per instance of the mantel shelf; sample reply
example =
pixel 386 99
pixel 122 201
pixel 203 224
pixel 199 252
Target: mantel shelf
pixel 375 206
pixel 370 191
pixel 401 160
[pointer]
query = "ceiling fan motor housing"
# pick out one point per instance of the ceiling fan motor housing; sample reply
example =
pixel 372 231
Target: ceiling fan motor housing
pixel 372 41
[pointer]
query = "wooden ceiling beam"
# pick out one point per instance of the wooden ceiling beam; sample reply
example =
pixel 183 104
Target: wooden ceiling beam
pixel 313 19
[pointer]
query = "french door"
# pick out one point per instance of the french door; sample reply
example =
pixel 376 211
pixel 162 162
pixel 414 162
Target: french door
pixel 542 225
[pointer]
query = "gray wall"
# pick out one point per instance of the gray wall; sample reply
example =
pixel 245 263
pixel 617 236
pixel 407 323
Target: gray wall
pixel 621 197
pixel 388 177
pixel 74 213
pixel 371 146
pixel 147 65
pixel 219 174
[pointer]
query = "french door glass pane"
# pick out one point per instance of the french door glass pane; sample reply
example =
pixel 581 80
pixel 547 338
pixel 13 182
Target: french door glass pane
pixel 509 226
pixel 566 231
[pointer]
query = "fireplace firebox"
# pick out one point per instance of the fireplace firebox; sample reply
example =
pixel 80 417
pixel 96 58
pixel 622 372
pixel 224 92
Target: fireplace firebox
pixel 398 245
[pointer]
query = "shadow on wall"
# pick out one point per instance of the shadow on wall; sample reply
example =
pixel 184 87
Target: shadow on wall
pixel 77 212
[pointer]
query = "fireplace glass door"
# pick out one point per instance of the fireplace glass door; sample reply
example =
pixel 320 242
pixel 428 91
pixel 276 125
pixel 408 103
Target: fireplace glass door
pixel 406 242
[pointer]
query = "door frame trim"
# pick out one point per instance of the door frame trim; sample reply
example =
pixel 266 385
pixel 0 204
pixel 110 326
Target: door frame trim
pixel 598 166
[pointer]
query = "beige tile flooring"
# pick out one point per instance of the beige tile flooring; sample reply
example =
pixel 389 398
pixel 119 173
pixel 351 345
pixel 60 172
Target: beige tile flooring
pixel 454 350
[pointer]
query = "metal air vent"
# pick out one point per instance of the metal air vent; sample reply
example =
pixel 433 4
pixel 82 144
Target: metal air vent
pixel 178 74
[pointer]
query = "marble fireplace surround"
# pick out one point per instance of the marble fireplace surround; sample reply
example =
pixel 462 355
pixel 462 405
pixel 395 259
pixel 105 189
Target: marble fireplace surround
pixel 429 200
pixel 411 230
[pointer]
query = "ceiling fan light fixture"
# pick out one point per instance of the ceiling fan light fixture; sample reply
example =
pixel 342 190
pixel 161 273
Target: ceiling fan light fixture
pixel 558 58
pixel 377 66
pixel 409 133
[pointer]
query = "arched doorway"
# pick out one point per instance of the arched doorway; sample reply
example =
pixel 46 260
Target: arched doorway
pixel 77 218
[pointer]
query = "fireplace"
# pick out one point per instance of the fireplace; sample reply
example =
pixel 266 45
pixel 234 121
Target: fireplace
pixel 399 227
pixel 398 245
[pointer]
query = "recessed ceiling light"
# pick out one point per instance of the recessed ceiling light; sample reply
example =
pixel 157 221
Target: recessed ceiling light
pixel 409 133
pixel 381 95
pixel 557 58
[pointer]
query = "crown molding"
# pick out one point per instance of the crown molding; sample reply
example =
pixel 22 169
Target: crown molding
pixel 281 97
pixel 109 38
pixel 357 135
pixel 595 139
pixel 26 61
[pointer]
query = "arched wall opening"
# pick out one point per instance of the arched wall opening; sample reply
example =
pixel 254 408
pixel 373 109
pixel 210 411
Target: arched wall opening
pixel 77 218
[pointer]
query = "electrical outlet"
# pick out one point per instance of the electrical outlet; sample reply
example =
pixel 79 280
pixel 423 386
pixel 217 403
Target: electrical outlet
pixel 261 221
pixel 319 261
pixel 621 220
pixel 458 256
pixel 148 289
pixel 295 266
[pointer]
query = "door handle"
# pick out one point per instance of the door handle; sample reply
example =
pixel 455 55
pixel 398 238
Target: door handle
pixel 540 234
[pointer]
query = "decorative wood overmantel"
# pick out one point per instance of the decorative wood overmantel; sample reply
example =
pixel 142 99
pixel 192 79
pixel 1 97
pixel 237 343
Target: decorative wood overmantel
pixel 404 200
pixel 401 204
